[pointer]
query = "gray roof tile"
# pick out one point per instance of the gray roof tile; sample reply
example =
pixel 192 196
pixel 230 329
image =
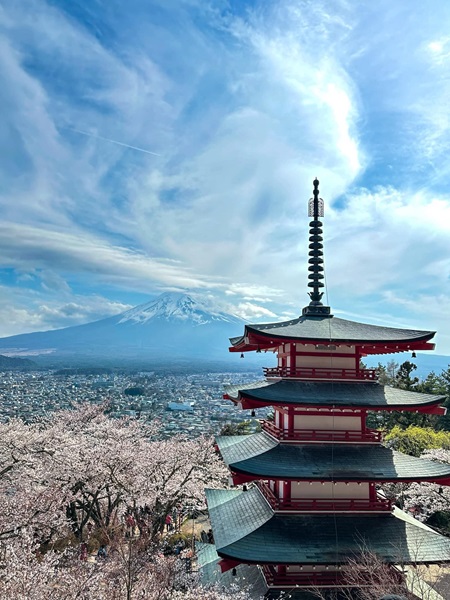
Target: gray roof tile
pixel 371 395
pixel 245 531
pixel 333 329
pixel 260 455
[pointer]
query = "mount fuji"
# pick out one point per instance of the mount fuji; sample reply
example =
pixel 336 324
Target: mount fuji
pixel 173 327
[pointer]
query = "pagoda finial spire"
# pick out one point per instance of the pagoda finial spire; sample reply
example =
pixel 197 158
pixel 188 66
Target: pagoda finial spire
pixel 315 210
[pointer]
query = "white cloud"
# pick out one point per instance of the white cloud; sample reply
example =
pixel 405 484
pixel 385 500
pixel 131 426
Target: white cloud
pixel 23 311
pixel 387 239
pixel 249 311
pixel 253 292
pixel 245 109
pixel 27 248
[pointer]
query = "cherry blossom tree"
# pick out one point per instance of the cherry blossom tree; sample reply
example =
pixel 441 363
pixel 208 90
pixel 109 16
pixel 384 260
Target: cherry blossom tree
pixel 97 468
pixel 367 577
pixel 423 500
pixel 129 573
pixel 29 492
pixel 67 482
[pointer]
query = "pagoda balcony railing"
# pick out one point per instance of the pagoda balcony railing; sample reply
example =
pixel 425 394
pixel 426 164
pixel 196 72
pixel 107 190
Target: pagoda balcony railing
pixel 308 579
pixel 319 578
pixel 321 373
pixel 322 435
pixel 330 505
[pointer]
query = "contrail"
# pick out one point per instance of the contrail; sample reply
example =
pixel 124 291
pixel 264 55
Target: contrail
pixel 99 137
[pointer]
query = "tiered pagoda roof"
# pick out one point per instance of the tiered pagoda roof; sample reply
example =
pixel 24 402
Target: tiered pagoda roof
pixel 261 456
pixel 331 394
pixel 332 330
pixel 247 530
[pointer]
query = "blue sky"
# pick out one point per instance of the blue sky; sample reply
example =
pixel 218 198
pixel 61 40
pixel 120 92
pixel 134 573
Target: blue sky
pixel 223 114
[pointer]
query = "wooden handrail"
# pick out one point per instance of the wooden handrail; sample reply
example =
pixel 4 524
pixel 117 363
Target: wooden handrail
pixel 323 435
pixel 298 578
pixel 324 504
pixel 317 578
pixel 321 373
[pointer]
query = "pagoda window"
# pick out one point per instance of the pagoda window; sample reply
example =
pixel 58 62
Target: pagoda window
pixel 283 418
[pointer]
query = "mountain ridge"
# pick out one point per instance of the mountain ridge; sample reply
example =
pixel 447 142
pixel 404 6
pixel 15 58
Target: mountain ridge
pixel 173 328
pixel 174 325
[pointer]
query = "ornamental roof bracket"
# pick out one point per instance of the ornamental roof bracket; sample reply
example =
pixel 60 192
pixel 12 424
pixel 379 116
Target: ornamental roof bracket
pixel 315 210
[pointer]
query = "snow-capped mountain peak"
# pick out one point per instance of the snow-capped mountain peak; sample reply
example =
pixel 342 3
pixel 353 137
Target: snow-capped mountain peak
pixel 171 327
pixel 176 306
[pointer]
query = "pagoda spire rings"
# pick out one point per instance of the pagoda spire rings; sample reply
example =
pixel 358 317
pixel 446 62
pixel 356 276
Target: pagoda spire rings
pixel 315 210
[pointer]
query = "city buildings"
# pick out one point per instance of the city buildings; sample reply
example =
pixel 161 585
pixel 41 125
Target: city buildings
pixel 31 395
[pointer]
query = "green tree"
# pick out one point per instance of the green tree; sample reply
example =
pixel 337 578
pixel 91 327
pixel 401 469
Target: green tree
pixel 242 428
pixel 444 383
pixel 387 373
pixel 433 384
pixel 403 377
pixel 134 391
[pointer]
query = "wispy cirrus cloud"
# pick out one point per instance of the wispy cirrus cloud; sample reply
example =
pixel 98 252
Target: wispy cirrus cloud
pixel 242 106
pixel 27 248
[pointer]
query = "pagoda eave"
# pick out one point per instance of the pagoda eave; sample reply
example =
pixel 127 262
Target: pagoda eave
pixel 228 559
pixel 336 395
pixel 329 329
pixel 249 403
pixel 241 477
pixel 269 343
pixel 313 539
pixel 260 456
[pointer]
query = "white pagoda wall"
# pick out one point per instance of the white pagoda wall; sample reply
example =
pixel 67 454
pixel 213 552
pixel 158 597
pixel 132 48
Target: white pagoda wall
pixel 279 421
pixel 309 569
pixel 329 490
pixel 325 362
pixel 327 422
pixel 312 359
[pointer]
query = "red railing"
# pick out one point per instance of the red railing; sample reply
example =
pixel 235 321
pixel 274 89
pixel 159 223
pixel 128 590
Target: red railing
pixel 324 504
pixel 318 578
pixel 321 373
pixel 322 435
pixel 309 579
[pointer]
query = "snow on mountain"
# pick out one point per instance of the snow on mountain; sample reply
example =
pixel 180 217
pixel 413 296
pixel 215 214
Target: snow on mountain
pixel 178 306
pixel 173 326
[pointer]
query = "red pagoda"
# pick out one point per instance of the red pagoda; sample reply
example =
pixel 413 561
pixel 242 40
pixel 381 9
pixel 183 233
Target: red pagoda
pixel 309 498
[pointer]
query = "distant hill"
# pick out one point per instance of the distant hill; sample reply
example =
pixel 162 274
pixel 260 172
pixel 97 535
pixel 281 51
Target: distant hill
pixel 9 363
pixel 174 328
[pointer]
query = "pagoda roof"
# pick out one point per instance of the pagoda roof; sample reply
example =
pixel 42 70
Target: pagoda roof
pixel 247 530
pixel 261 456
pixel 327 329
pixel 329 394
pixel 248 576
